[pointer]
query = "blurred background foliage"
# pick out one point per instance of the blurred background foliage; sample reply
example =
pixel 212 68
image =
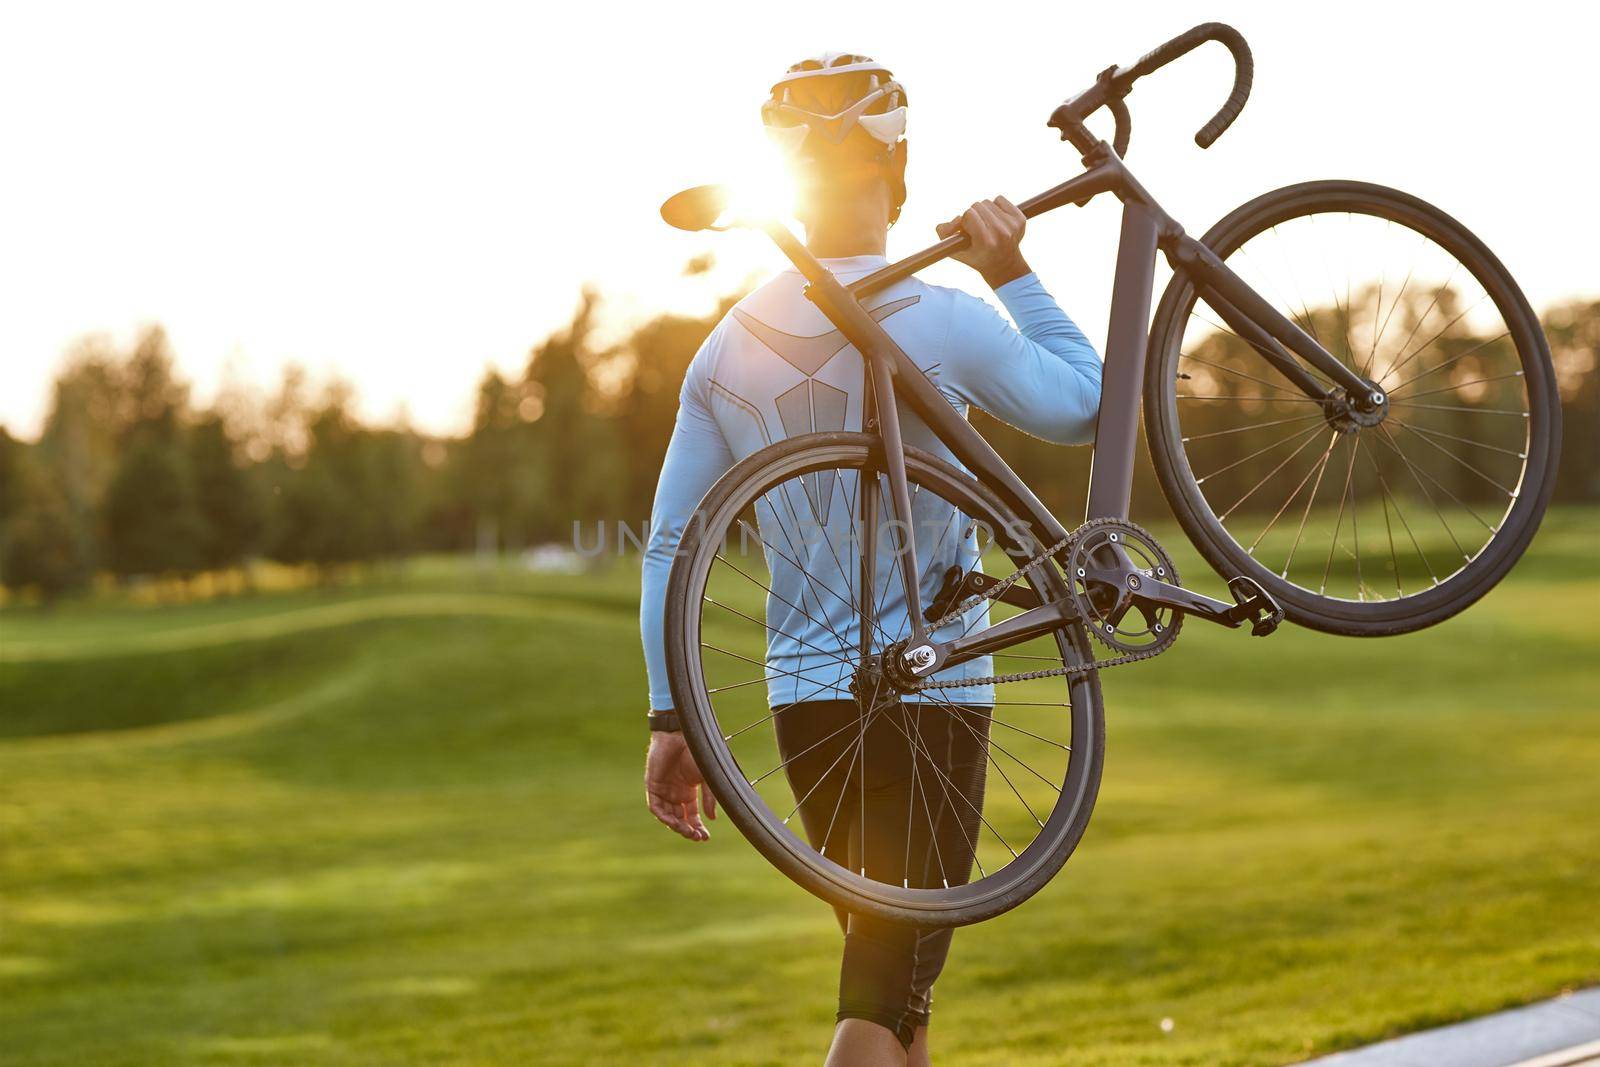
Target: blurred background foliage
pixel 130 481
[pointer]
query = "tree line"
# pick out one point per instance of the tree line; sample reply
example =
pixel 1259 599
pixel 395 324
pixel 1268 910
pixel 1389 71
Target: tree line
pixel 130 478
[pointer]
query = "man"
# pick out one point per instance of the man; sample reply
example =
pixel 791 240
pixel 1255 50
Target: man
pixel 842 118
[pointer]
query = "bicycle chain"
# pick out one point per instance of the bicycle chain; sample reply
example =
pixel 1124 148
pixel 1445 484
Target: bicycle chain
pixel 1027 676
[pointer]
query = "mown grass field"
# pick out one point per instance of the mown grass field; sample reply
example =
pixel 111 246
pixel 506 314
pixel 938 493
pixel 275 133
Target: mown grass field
pixel 402 824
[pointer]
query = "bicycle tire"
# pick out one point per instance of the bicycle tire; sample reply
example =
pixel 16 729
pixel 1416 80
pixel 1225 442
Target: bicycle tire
pixel 939 907
pixel 1197 515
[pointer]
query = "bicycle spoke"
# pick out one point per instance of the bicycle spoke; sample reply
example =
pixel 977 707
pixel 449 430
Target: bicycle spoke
pixel 918 748
pixel 1252 426
pixel 1449 362
pixel 1306 443
pixel 933 830
pixel 1414 428
pixel 1463 314
pixel 1417 476
pixel 802 752
pixel 1378 306
pixel 1394 558
pixel 837 563
pixel 1437 293
pixel 893 570
pixel 1446 452
pixel 863 723
pixel 713 690
pixel 797 640
pixel 1448 407
pixel 1355 518
pixel 945 783
pixel 782 599
pixel 1307 321
pixel 986 743
pixel 1315 468
pixel 1010 726
pixel 1343 312
pixel 1262 399
pixel 1462 385
pixel 1022 763
pixel 1366 371
pixel 1321 468
pixel 810 581
pixel 1338 522
pixel 1276 444
pixel 1239 373
pixel 787 559
pixel 770 716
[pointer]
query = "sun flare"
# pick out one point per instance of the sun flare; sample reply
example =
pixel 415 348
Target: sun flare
pixel 762 186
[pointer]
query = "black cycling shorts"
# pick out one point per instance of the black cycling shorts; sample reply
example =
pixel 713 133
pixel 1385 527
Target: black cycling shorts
pixel 905 808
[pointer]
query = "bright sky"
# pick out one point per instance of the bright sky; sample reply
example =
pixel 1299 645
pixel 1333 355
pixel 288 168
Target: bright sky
pixel 404 194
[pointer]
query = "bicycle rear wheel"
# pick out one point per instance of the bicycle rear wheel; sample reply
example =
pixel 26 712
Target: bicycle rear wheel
pixel 1358 529
pixel 938 809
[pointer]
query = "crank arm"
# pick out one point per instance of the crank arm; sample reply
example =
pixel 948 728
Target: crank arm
pixel 1165 594
pixel 1252 603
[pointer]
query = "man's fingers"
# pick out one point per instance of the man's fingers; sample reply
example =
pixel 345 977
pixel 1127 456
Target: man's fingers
pixel 708 802
pixel 691 819
pixel 977 227
pixel 668 814
pixel 997 224
pixel 691 812
pixel 663 811
pixel 948 229
pixel 1004 223
pixel 986 222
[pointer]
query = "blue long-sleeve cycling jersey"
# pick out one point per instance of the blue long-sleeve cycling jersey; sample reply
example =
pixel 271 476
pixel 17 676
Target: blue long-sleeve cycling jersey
pixel 775 367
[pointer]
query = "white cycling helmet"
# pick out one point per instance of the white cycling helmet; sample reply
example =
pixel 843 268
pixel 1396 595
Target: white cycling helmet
pixel 832 95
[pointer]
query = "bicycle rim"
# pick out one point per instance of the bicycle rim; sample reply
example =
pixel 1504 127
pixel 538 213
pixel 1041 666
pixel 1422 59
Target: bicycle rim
pixel 874 809
pixel 1358 529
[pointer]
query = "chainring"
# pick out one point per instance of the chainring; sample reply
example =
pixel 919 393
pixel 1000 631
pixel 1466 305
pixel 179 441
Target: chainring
pixel 1106 606
pixel 1068 545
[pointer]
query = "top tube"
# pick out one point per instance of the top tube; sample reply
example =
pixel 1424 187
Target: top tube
pixel 1100 178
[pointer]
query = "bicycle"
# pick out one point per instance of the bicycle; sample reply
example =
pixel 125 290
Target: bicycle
pixel 1462 429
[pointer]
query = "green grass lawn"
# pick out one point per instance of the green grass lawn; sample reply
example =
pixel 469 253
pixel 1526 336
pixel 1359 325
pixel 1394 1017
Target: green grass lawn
pixel 402 823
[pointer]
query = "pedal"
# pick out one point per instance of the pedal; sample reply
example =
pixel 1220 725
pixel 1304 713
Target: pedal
pixel 958 587
pixel 1254 605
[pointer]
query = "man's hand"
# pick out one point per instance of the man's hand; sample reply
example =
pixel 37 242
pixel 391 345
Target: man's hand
pixel 673 786
pixel 996 227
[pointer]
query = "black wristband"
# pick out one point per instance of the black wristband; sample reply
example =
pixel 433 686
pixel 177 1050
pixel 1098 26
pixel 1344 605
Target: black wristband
pixel 666 721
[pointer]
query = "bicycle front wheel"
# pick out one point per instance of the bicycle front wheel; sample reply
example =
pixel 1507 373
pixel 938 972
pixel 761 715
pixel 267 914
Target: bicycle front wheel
pixel 936 808
pixel 1362 528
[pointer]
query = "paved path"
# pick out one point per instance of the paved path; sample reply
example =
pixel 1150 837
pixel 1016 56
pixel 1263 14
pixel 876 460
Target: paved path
pixel 1564 1032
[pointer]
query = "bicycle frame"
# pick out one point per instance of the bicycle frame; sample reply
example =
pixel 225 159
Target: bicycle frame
pixel 1146 229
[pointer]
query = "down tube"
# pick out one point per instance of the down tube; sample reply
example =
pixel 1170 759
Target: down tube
pixel 1117 428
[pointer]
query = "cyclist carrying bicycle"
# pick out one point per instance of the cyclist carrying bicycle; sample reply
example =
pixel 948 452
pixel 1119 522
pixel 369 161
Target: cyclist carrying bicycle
pixel 775 368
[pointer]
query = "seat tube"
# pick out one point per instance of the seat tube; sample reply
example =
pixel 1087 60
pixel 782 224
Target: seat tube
pixel 1117 427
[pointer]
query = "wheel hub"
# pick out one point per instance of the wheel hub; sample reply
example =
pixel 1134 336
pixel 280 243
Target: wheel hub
pixel 1351 413
pixel 900 669
pixel 872 684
